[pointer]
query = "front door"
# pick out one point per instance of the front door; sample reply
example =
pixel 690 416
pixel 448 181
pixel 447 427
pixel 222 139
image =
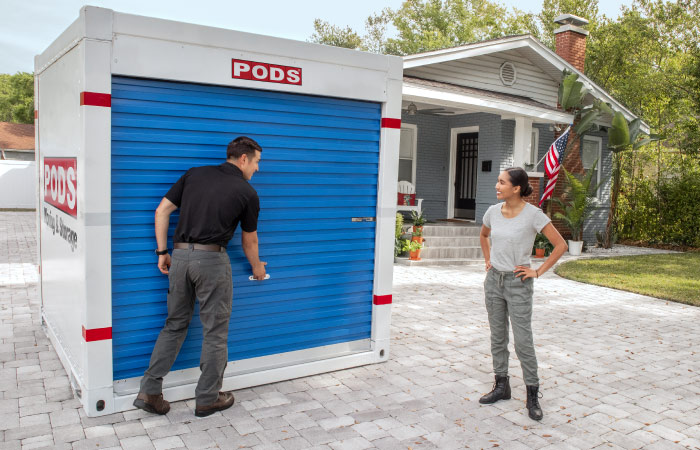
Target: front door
pixel 465 176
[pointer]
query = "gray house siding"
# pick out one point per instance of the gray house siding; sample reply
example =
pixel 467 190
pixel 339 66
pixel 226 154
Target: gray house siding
pixel 599 216
pixel 432 162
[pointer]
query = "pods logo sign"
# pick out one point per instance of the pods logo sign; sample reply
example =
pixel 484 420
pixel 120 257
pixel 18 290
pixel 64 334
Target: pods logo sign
pixel 61 184
pixel 270 73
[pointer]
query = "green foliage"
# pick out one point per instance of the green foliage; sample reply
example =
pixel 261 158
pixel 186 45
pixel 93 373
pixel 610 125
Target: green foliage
pixel 423 25
pixel 328 34
pixel 662 210
pixel 418 219
pixel 571 97
pixel 414 245
pixel 619 134
pixel 576 201
pixel 17 98
pixel 649 60
pixel 571 92
pixel 588 9
pixel 398 232
pixel 541 241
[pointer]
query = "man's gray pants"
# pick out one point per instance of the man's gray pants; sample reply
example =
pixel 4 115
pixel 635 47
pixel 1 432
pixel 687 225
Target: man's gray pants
pixel 510 299
pixel 207 277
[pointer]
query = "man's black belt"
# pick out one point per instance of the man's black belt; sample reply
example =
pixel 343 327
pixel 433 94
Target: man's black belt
pixel 205 247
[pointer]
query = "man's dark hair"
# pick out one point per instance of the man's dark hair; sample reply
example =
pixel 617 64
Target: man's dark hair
pixel 240 146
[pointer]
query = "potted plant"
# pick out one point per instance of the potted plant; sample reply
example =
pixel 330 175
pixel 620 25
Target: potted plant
pixel 576 206
pixel 414 250
pixel 418 236
pixel 542 246
pixel 539 249
pixel 418 221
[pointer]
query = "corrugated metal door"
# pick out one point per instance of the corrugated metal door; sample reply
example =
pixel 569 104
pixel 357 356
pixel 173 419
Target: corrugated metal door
pixel 318 171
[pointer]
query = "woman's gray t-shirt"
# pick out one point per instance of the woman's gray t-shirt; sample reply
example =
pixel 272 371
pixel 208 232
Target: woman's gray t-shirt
pixel 512 239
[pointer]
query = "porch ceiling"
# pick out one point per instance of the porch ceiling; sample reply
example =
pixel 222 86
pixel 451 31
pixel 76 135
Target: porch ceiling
pixel 461 99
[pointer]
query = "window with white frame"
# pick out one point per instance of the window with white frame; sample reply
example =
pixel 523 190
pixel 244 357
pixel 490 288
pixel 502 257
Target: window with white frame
pixel 591 153
pixel 407 154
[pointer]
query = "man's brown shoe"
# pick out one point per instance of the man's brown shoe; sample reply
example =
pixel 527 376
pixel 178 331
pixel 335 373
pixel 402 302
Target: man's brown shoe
pixel 224 401
pixel 152 403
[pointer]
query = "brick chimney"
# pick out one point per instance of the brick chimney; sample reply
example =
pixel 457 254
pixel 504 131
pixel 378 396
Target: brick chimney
pixel 570 39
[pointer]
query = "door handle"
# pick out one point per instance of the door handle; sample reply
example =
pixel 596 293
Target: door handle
pixel 267 277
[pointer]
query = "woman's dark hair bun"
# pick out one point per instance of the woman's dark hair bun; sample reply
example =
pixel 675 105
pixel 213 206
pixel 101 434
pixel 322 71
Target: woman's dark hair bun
pixel 518 177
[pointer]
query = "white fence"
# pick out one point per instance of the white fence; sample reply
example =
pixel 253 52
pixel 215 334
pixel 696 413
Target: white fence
pixel 17 184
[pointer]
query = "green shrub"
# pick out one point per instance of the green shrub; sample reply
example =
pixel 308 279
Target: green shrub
pixel 665 211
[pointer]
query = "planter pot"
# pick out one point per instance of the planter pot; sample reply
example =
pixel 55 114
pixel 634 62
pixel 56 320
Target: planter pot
pixel 415 256
pixel 539 253
pixel 419 229
pixel 575 247
pixel 418 239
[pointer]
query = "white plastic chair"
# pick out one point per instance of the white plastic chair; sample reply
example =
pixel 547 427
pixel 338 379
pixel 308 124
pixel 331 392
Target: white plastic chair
pixel 406 187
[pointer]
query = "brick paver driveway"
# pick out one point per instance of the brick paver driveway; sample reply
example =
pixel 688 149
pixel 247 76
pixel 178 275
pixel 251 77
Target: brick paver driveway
pixel 618 370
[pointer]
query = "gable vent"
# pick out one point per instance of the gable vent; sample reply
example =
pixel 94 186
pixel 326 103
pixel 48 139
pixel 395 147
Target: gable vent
pixel 508 73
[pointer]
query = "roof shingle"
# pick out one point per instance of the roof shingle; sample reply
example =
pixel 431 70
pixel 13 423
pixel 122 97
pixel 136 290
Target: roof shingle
pixel 16 136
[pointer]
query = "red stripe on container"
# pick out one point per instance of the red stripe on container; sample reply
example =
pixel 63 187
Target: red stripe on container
pixel 382 299
pixel 95 99
pixel 391 123
pixel 97 334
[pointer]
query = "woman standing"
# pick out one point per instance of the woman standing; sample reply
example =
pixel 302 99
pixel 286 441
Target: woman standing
pixel 513 225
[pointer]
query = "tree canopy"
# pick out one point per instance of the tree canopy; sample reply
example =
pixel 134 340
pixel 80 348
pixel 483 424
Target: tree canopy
pixel 17 98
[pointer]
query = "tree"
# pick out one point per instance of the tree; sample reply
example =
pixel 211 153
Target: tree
pixel 424 25
pixel 17 98
pixel 328 34
pixel 622 136
pixel 586 9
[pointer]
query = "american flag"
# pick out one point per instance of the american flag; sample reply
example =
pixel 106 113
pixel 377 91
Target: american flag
pixel 552 163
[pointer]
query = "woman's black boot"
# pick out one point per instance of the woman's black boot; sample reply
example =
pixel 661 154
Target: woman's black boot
pixel 533 404
pixel 500 391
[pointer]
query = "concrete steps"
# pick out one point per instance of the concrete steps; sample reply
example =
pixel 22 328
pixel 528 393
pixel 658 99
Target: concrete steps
pixel 448 244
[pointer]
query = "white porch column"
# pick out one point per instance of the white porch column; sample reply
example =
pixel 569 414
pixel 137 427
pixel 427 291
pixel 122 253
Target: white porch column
pixel 523 141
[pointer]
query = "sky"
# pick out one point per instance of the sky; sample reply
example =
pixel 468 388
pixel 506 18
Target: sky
pixel 27 27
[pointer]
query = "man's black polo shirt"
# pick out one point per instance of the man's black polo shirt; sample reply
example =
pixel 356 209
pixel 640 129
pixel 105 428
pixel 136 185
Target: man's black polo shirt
pixel 212 200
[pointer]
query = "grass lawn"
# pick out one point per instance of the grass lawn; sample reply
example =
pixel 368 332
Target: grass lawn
pixel 669 276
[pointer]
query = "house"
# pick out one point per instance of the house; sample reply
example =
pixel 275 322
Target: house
pixel 17 141
pixel 471 111
pixel 17 166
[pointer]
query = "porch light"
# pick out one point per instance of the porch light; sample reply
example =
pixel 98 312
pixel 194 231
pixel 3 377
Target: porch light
pixel 412 109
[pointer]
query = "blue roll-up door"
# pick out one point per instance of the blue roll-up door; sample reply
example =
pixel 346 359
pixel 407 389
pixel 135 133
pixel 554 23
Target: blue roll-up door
pixel 318 171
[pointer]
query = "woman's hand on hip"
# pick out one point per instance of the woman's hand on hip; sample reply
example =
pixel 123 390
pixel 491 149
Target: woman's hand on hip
pixel 488 265
pixel 524 273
